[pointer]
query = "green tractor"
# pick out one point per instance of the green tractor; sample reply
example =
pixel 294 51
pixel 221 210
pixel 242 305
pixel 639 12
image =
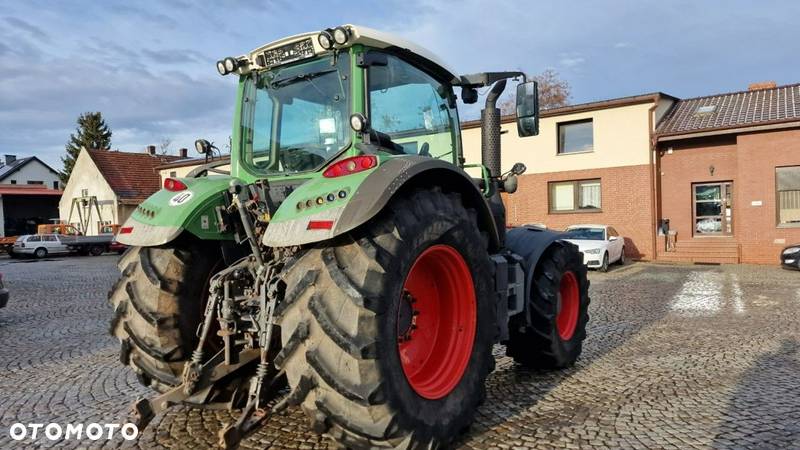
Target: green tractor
pixel 347 263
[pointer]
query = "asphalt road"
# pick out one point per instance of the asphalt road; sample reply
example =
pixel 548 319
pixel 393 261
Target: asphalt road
pixel 677 357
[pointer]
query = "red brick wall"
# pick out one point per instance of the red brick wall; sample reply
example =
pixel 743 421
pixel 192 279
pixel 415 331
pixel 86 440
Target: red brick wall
pixel 759 155
pixel 749 160
pixel 689 163
pixel 626 199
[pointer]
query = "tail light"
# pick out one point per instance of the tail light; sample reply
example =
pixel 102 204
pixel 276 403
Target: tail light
pixel 351 165
pixel 174 185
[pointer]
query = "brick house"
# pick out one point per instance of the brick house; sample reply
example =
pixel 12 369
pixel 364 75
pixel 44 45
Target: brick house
pixel 590 163
pixel 729 175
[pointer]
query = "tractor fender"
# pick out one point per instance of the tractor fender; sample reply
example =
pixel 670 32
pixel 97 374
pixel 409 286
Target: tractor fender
pixel 374 193
pixel 165 215
pixel 530 243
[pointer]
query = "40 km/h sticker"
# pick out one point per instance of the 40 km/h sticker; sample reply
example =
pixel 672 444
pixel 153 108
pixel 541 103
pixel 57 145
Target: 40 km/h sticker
pixel 180 199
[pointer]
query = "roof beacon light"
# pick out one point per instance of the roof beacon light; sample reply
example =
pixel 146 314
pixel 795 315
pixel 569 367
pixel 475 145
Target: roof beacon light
pixel 340 35
pixel 325 40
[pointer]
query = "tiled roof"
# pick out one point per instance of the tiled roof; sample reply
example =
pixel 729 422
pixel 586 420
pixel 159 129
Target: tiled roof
pixel 132 176
pixel 28 189
pixel 732 110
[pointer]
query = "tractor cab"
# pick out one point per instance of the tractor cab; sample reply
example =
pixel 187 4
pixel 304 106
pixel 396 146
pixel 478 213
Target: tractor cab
pixel 308 100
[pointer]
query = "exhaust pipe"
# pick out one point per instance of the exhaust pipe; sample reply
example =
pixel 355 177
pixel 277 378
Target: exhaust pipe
pixel 490 130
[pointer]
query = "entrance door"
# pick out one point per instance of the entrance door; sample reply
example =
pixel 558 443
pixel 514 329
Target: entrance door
pixel 713 209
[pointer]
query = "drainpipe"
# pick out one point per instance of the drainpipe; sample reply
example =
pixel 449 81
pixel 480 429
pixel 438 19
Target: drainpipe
pixel 655 178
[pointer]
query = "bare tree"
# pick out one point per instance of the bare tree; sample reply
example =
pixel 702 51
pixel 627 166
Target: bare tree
pixel 164 144
pixel 553 93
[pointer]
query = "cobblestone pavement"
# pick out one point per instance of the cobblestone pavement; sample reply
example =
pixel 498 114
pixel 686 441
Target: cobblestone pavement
pixel 677 357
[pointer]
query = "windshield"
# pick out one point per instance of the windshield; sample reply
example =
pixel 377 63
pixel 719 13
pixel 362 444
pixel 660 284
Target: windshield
pixel 295 118
pixel 591 234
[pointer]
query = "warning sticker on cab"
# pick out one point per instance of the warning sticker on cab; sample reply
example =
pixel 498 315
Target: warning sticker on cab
pixel 180 198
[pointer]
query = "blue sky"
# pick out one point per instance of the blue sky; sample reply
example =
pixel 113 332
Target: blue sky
pixel 149 66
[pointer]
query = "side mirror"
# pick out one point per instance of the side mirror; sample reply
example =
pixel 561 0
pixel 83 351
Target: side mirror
pixel 528 109
pixel 518 169
pixel 612 238
pixel 202 146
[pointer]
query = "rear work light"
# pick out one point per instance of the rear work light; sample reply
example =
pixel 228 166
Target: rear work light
pixel 174 185
pixel 351 165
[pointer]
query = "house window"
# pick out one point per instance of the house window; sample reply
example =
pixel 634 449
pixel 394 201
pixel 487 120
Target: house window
pixel 173 174
pixel 84 192
pixel 13 181
pixel 575 137
pixel 35 182
pixel 575 196
pixel 787 181
pixel 55 184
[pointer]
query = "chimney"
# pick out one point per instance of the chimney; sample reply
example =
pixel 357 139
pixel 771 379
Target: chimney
pixel 151 149
pixel 761 85
pixel 184 153
pixel 10 159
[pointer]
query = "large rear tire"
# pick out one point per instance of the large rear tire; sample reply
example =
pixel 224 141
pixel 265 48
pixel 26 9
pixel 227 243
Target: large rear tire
pixel 361 316
pixel 558 307
pixel 158 305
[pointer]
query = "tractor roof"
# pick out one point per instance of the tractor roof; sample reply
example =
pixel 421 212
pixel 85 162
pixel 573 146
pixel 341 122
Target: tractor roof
pixel 366 36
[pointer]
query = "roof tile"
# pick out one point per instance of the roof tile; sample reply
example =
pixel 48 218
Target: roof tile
pixel 132 176
pixel 735 109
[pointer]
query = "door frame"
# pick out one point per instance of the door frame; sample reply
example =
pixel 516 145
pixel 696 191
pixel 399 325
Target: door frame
pixel 726 193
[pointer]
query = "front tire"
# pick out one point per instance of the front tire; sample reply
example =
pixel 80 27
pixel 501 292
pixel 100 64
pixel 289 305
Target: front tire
pixel 604 265
pixel 157 308
pixel 348 327
pixel 558 306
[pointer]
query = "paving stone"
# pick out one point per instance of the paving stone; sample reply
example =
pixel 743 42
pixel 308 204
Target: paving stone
pixel 661 368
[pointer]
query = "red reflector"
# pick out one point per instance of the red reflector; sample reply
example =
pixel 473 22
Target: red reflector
pixel 319 225
pixel 174 185
pixel 350 165
pixel 126 230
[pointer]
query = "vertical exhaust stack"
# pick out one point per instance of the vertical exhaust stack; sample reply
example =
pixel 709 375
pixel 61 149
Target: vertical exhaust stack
pixel 490 130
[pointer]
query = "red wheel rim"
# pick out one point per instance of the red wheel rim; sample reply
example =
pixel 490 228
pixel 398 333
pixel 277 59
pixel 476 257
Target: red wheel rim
pixel 568 305
pixel 436 321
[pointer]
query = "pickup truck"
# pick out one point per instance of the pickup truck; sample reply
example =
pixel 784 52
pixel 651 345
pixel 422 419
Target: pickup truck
pixel 41 245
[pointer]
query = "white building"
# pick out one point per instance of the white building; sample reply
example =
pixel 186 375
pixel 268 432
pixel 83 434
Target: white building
pixel 105 186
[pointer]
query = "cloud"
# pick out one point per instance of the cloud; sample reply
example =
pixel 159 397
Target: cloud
pixel 571 60
pixel 623 45
pixel 32 30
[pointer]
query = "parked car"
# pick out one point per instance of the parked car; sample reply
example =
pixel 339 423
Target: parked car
pixel 42 245
pixel 39 245
pixel 601 245
pixel 3 293
pixel 790 257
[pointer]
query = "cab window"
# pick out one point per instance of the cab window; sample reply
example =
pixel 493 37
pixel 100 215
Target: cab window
pixel 412 108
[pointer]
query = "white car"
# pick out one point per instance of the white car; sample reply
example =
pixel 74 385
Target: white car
pixel 40 245
pixel 601 245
